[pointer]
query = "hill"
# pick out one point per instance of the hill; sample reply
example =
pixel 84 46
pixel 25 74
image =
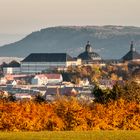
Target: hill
pixel 108 41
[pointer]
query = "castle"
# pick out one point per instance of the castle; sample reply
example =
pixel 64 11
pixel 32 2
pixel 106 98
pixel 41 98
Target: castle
pixel 38 62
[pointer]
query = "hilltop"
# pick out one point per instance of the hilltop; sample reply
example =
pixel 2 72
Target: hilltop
pixel 108 41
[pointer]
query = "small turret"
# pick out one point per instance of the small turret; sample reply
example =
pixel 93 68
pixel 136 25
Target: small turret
pixel 88 47
pixel 132 55
pixel 132 48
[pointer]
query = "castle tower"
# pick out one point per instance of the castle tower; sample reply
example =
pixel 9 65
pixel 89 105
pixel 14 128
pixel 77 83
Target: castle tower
pixel 132 48
pixel 132 55
pixel 88 47
pixel 88 55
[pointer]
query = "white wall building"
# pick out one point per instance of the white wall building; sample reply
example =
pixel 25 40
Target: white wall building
pixel 43 79
pixel 22 96
pixel 39 80
pixel 38 62
pixel 3 81
pixel 12 68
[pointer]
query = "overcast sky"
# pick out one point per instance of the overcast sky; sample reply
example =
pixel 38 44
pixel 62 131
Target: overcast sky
pixel 25 16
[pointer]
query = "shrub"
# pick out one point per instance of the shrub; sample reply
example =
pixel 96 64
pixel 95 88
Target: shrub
pixel 69 114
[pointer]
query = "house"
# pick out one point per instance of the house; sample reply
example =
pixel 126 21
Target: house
pixel 84 82
pixel 11 68
pixel 3 94
pixel 22 96
pixel 38 62
pixel 44 79
pixel 54 78
pixel 89 98
pixel 39 79
pixel 12 83
pixel 79 92
pixel 107 83
pixel 66 91
pixel 22 79
pixel 3 81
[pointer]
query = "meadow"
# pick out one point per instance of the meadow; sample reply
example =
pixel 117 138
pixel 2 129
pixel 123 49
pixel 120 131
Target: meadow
pixel 71 135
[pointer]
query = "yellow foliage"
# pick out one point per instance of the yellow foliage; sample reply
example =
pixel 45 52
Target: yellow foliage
pixel 69 114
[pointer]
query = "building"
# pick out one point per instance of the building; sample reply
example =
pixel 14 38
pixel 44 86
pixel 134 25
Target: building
pixel 39 79
pixel 3 81
pixel 38 62
pixel 54 78
pixel 18 76
pixel 63 91
pixel 11 68
pixel 43 79
pixel 12 83
pixel 21 96
pixel 89 56
pixel 132 55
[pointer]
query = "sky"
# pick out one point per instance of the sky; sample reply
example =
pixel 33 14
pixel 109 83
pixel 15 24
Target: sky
pixel 26 16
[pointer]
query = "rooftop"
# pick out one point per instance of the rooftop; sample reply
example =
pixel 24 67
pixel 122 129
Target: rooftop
pixel 132 54
pixel 48 57
pixel 88 54
pixel 49 76
pixel 11 64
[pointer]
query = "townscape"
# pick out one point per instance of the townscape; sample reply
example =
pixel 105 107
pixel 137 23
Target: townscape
pixel 50 75
pixel 69 70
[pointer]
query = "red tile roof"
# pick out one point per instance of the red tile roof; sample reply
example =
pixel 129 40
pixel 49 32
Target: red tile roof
pixel 50 76
pixel 53 76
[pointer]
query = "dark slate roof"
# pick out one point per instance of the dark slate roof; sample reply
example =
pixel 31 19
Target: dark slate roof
pixel 88 55
pixel 4 64
pixel 131 55
pixel 48 57
pixel 12 64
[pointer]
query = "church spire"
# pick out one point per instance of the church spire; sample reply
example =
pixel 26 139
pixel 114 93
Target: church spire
pixel 88 47
pixel 132 48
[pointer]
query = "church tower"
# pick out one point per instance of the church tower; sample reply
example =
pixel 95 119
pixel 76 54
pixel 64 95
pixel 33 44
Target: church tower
pixel 88 47
pixel 132 48
pixel 88 55
pixel 132 55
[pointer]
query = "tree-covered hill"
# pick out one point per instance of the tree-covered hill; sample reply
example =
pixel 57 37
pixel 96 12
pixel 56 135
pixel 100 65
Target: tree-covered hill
pixel 108 41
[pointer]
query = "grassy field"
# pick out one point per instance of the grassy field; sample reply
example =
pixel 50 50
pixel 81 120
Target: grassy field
pixel 89 135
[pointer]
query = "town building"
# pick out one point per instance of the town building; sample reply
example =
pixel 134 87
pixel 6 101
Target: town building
pixel 132 55
pixel 22 96
pixel 43 79
pixel 12 68
pixel 3 81
pixel 38 62
pixel 89 56
pixel 11 83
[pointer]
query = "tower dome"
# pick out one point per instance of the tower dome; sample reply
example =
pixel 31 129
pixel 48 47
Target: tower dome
pixel 89 55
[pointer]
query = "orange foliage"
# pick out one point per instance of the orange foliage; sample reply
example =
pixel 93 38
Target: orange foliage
pixel 69 114
pixel 29 116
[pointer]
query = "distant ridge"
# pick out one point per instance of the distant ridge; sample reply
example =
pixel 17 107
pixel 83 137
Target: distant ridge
pixel 109 41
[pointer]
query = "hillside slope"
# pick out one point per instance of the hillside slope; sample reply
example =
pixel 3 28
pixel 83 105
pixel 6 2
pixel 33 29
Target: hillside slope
pixel 108 41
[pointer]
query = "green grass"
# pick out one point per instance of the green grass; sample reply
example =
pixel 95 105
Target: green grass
pixel 70 135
